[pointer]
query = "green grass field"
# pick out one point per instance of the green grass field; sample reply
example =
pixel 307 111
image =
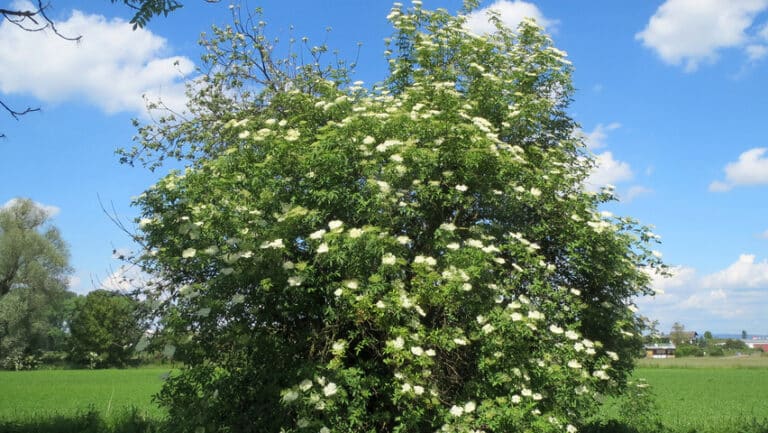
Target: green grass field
pixel 43 393
pixel 703 395
pixel 706 398
pixel 754 361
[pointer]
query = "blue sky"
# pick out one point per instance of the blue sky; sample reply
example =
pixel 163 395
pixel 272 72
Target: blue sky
pixel 671 97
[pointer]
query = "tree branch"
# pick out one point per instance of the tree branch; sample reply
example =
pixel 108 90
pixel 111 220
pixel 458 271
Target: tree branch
pixel 35 20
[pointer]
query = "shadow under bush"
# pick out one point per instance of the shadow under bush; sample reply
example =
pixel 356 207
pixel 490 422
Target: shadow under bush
pixel 89 421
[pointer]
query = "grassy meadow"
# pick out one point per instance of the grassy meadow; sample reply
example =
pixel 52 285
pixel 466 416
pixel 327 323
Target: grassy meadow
pixel 708 398
pixel 692 395
pixel 27 395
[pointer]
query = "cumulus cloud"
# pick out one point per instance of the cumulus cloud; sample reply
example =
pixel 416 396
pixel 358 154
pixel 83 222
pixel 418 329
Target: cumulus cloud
pixel 74 283
pixel 745 273
pixel 692 32
pixel 596 138
pixel 49 210
pixel 732 298
pixel 750 169
pixel 111 67
pixel 510 13
pixel 756 52
pixel 125 278
pixel 608 171
pixel 679 276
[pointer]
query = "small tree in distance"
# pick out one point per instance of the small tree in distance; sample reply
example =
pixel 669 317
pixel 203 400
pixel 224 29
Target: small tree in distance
pixel 105 329
pixel 677 334
pixel 414 257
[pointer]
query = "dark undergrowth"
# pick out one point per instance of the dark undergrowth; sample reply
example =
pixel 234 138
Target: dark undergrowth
pixel 131 421
pixel 618 426
pixel 89 421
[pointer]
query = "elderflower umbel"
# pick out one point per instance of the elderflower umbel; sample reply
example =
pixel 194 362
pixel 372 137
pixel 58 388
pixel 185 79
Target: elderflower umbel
pixel 388 259
pixel 330 389
pixel 398 343
pixel 290 396
pixel 318 234
pixel 456 410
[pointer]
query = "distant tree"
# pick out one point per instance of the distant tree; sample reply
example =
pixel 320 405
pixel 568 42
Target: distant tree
pixel 743 334
pixel 34 271
pixel 678 335
pixel 652 332
pixel 106 324
pixel 707 335
pixel 732 344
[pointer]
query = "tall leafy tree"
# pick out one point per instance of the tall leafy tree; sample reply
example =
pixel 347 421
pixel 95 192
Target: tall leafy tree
pixel 419 256
pixel 34 271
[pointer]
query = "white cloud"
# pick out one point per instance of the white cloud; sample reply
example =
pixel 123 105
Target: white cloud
pixel 745 273
pixel 756 52
pixel 111 67
pixel 750 169
pixel 74 283
pixel 764 235
pixel 608 171
pixel 596 138
pixel 679 276
pixel 49 210
pixel 125 278
pixel 730 299
pixel 691 32
pixel 510 13
pixel 635 192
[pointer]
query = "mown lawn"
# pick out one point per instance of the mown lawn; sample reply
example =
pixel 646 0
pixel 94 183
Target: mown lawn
pixel 42 393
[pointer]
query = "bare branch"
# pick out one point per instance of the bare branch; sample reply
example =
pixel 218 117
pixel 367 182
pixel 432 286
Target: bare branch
pixel 15 114
pixel 35 20
pixel 31 21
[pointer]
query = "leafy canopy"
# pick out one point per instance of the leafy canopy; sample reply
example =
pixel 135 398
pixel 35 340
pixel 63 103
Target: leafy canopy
pixel 106 325
pixel 34 269
pixel 413 257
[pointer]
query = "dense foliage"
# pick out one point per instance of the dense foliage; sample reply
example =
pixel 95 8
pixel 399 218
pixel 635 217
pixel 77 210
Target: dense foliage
pixel 33 285
pixel 105 329
pixel 417 256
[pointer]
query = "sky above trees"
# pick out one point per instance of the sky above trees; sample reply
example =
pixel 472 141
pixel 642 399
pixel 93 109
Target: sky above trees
pixel 669 99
